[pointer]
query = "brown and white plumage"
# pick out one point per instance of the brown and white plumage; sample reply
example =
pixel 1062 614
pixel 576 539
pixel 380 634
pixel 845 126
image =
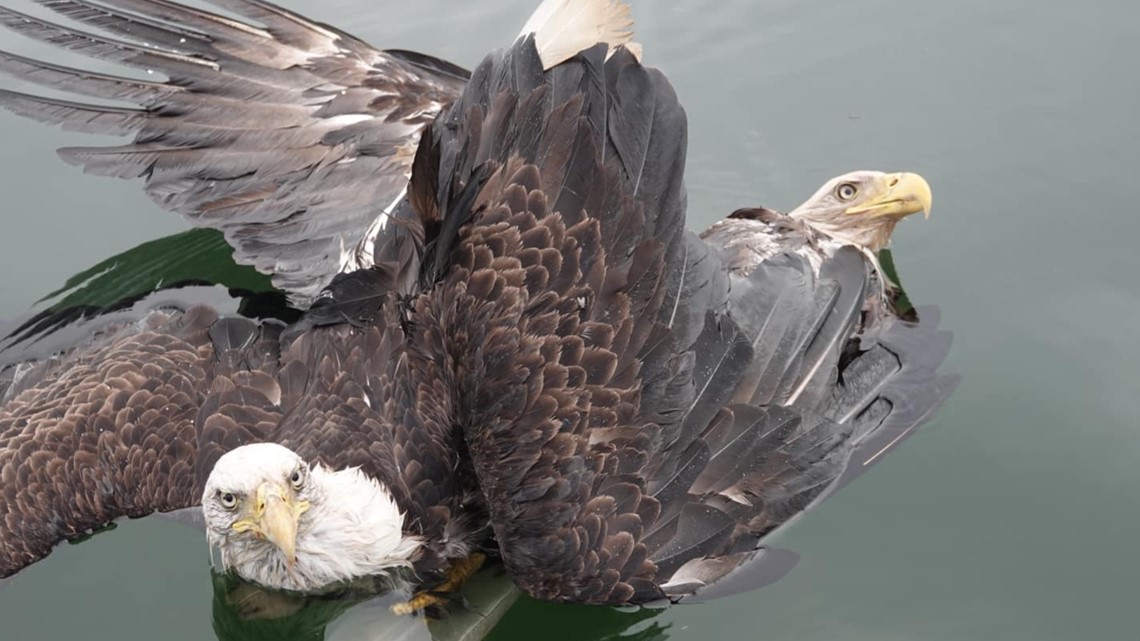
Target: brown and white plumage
pixel 278 521
pixel 639 416
pixel 858 209
pixel 133 421
pixel 291 137
pixel 566 364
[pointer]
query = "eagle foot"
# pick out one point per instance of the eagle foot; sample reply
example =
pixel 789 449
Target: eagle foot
pixel 439 596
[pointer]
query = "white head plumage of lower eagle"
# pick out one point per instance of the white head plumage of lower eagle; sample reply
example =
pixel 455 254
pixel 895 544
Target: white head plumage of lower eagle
pixel 280 523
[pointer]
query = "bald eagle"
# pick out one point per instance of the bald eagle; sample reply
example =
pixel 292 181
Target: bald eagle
pixel 525 353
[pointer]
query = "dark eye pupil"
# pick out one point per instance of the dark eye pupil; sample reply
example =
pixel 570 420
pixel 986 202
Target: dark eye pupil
pixel 227 498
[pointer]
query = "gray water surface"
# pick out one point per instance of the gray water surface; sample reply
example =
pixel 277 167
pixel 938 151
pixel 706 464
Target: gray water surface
pixel 1011 516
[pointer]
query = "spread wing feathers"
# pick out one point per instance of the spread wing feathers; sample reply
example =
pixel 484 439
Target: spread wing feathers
pixel 522 114
pixel 889 385
pixel 601 357
pixel 626 430
pixel 116 429
pixel 289 136
pixel 132 422
pixel 830 389
pixel 557 311
pixel 798 324
pixel 872 376
pixel 816 374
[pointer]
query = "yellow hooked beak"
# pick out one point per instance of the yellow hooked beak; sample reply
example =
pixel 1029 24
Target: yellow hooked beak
pixel 274 516
pixel 897 195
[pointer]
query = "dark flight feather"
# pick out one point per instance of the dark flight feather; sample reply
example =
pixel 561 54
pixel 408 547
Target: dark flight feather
pixel 600 388
pixel 814 373
pixel 854 382
pixel 611 415
pixel 356 297
pixel 701 531
pixel 148 404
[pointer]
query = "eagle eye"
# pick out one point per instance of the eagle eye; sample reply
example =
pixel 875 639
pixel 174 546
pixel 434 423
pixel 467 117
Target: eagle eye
pixel 846 191
pixel 228 500
pixel 297 478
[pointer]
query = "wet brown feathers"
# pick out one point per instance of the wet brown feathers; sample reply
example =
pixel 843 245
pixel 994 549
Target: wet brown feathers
pixel 132 425
pixel 635 426
pixel 562 360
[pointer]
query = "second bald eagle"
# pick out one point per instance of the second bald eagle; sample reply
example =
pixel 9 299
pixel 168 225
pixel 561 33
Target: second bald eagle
pixel 539 355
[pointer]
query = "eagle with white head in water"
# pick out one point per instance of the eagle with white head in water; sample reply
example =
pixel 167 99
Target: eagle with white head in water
pixel 526 354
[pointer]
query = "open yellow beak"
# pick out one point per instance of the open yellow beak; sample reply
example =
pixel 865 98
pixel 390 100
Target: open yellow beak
pixel 898 195
pixel 274 516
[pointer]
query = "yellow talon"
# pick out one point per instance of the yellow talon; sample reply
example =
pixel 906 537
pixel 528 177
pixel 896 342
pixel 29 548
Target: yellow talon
pixel 457 575
pixel 421 601
pixel 460 571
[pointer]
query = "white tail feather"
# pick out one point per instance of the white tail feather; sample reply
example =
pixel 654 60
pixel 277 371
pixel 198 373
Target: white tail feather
pixel 562 28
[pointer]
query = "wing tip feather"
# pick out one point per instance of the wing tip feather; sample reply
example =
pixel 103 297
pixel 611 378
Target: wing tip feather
pixel 562 28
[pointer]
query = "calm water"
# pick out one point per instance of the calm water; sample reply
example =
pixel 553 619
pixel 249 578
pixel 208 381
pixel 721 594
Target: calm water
pixel 1012 516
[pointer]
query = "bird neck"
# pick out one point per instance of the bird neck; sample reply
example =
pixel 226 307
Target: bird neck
pixel 871 234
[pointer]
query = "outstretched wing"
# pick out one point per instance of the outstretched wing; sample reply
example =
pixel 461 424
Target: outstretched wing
pixel 850 384
pixel 131 422
pixel 287 135
pixel 574 379
pixel 638 421
pixel 115 429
